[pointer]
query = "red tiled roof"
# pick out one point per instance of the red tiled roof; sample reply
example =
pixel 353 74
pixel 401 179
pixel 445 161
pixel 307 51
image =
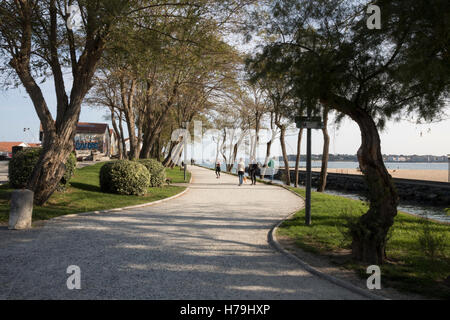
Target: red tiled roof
pixel 7 146
pixel 87 127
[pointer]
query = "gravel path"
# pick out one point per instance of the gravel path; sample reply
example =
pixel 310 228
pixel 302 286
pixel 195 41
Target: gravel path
pixel 210 243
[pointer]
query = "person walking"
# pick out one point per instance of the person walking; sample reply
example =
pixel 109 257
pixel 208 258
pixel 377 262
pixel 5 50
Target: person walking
pixel 253 169
pixel 271 166
pixel 218 169
pixel 241 171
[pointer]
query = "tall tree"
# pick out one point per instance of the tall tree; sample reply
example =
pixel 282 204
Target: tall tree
pixel 371 76
pixel 325 152
pixel 35 39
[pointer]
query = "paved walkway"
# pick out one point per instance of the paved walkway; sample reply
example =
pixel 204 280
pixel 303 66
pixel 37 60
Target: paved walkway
pixel 210 243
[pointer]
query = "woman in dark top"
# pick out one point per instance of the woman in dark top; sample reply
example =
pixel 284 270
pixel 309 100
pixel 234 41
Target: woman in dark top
pixel 253 170
pixel 218 169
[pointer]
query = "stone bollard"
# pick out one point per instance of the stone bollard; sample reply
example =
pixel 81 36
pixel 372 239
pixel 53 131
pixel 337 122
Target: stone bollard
pixel 21 209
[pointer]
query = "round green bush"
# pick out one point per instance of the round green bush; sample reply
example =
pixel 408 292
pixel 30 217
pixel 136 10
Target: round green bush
pixel 157 172
pixel 22 165
pixel 124 177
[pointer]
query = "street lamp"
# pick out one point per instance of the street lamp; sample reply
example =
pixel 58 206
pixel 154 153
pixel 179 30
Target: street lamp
pixel 186 135
pixel 448 158
pixel 308 123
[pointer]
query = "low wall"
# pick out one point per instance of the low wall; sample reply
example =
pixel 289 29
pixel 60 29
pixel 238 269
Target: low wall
pixel 412 191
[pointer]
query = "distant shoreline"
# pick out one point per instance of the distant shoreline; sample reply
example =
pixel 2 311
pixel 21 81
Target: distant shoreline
pixel 424 175
pixel 390 161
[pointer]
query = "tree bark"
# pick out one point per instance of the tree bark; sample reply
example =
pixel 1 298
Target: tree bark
pixel 152 132
pixel 51 165
pixel 127 95
pixel 122 136
pixel 370 232
pixel 285 156
pixel 297 159
pixel 266 160
pixel 325 153
pixel 167 160
pixel 117 133
pixel 233 158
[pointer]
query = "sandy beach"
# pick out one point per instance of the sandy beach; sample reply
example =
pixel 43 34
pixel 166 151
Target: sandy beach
pixel 427 175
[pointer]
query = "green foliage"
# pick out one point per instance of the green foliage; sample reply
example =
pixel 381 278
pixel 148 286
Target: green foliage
pixel 71 165
pixel 408 267
pixel 22 164
pixel 21 167
pixel 431 242
pixel 124 177
pixel 381 70
pixel 156 170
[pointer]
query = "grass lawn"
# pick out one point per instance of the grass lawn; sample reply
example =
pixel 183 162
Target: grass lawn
pixel 84 195
pixel 408 268
pixel 177 175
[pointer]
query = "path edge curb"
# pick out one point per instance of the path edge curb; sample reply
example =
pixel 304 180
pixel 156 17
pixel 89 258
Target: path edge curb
pixel 271 238
pixel 81 214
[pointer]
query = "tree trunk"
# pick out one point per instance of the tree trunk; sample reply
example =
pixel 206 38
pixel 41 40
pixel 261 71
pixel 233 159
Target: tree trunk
pixel 268 149
pixel 171 159
pixel 117 133
pixel 233 158
pixel 325 153
pixel 370 233
pixel 127 95
pixel 285 156
pixel 152 132
pixel 297 159
pixel 122 137
pixel 266 160
pixel 51 165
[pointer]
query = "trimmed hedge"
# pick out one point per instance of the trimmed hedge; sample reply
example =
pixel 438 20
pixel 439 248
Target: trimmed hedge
pixel 124 177
pixel 156 170
pixel 22 165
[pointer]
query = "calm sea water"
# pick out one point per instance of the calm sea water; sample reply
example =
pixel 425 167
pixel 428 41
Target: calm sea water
pixel 355 165
pixel 389 165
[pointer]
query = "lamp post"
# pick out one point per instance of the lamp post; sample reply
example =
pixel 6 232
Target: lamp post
pixel 308 173
pixel 309 123
pixel 448 159
pixel 186 127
